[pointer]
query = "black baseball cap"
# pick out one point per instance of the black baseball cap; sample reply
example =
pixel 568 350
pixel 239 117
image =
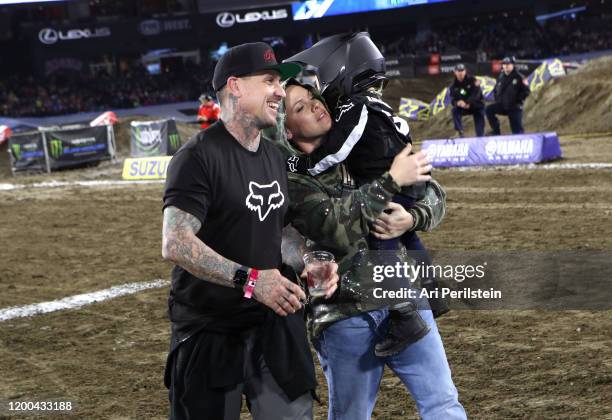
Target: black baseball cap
pixel 459 67
pixel 250 58
pixel 508 60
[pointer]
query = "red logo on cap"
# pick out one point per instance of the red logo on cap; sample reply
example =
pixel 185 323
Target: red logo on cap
pixel 269 55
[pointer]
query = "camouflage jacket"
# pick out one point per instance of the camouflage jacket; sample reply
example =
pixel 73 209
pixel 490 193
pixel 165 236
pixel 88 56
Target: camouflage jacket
pixel 334 215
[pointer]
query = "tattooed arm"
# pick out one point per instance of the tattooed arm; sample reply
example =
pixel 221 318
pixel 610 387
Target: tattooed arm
pixel 181 246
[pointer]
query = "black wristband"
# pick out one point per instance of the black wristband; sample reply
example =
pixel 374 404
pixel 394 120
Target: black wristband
pixel 240 277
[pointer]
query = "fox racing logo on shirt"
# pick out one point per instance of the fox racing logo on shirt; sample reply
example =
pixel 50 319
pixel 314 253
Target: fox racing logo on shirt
pixel 264 198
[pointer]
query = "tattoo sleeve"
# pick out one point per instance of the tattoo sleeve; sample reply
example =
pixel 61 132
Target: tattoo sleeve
pixel 181 246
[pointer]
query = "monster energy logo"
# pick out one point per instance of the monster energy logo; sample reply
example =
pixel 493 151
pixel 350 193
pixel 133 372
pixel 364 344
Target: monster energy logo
pixel 56 148
pixel 16 148
pixel 175 141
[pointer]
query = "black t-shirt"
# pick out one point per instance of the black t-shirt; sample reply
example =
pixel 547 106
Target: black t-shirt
pixel 240 197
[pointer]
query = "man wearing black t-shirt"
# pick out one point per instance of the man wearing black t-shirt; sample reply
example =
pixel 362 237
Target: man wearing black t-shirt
pixel 224 207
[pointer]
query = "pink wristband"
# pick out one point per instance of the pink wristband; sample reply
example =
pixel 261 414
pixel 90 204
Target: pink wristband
pixel 250 286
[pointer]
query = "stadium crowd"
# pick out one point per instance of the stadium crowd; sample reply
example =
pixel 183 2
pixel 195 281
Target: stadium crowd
pixel 519 35
pixel 72 92
pixel 488 36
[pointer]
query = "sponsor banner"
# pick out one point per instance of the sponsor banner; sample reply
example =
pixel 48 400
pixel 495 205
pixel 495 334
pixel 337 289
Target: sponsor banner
pixel 442 100
pixel 521 66
pixel 399 67
pixel 154 138
pixel 153 27
pixel 69 148
pixel 54 35
pixel 544 72
pixel 233 19
pixel 487 85
pixel 399 61
pixel 314 9
pixel 153 167
pixel 400 72
pixel 433 69
pixel 413 109
pixel 494 150
pixel 446 58
pixel 27 152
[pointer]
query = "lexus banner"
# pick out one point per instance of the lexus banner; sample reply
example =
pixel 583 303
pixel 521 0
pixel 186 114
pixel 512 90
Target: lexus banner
pixel 231 19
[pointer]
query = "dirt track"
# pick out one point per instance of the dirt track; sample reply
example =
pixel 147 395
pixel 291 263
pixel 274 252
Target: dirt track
pixel 107 358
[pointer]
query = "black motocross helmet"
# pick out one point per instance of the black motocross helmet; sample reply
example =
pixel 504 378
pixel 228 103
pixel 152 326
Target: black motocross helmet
pixel 345 63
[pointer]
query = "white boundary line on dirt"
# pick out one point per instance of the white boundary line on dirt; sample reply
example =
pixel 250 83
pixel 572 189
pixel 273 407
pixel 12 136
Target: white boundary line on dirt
pixel 77 301
pixel 93 184
pixel 111 183
pixel 528 167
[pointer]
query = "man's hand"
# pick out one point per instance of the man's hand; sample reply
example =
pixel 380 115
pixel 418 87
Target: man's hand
pixel 392 224
pixel 461 103
pixel 278 293
pixel 407 169
pixel 331 282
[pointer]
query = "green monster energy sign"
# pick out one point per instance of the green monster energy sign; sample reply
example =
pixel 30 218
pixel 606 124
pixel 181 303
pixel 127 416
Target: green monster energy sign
pixel 154 138
pixel 56 148
pixel 175 141
pixel 16 151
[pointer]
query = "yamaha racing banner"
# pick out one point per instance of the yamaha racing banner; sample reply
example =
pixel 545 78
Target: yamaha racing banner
pixel 493 150
pixel 75 147
pixel 27 152
pixel 154 138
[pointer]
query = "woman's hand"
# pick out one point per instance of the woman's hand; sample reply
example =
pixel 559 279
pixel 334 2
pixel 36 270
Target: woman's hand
pixel 393 222
pixel 407 169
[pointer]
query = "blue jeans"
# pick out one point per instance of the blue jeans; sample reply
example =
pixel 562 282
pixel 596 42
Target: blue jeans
pixel 353 372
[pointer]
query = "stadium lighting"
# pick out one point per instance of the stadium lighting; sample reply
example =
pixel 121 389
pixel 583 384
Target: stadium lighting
pixel 566 12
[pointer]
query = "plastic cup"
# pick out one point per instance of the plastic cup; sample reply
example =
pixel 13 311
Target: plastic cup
pixel 318 267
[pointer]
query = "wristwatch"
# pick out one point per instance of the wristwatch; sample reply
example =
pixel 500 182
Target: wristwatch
pixel 240 277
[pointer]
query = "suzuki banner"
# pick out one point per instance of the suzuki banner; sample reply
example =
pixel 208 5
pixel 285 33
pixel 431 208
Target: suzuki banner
pixel 142 168
pixel 154 138
pixel 493 150
pixel 27 152
pixel 75 147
